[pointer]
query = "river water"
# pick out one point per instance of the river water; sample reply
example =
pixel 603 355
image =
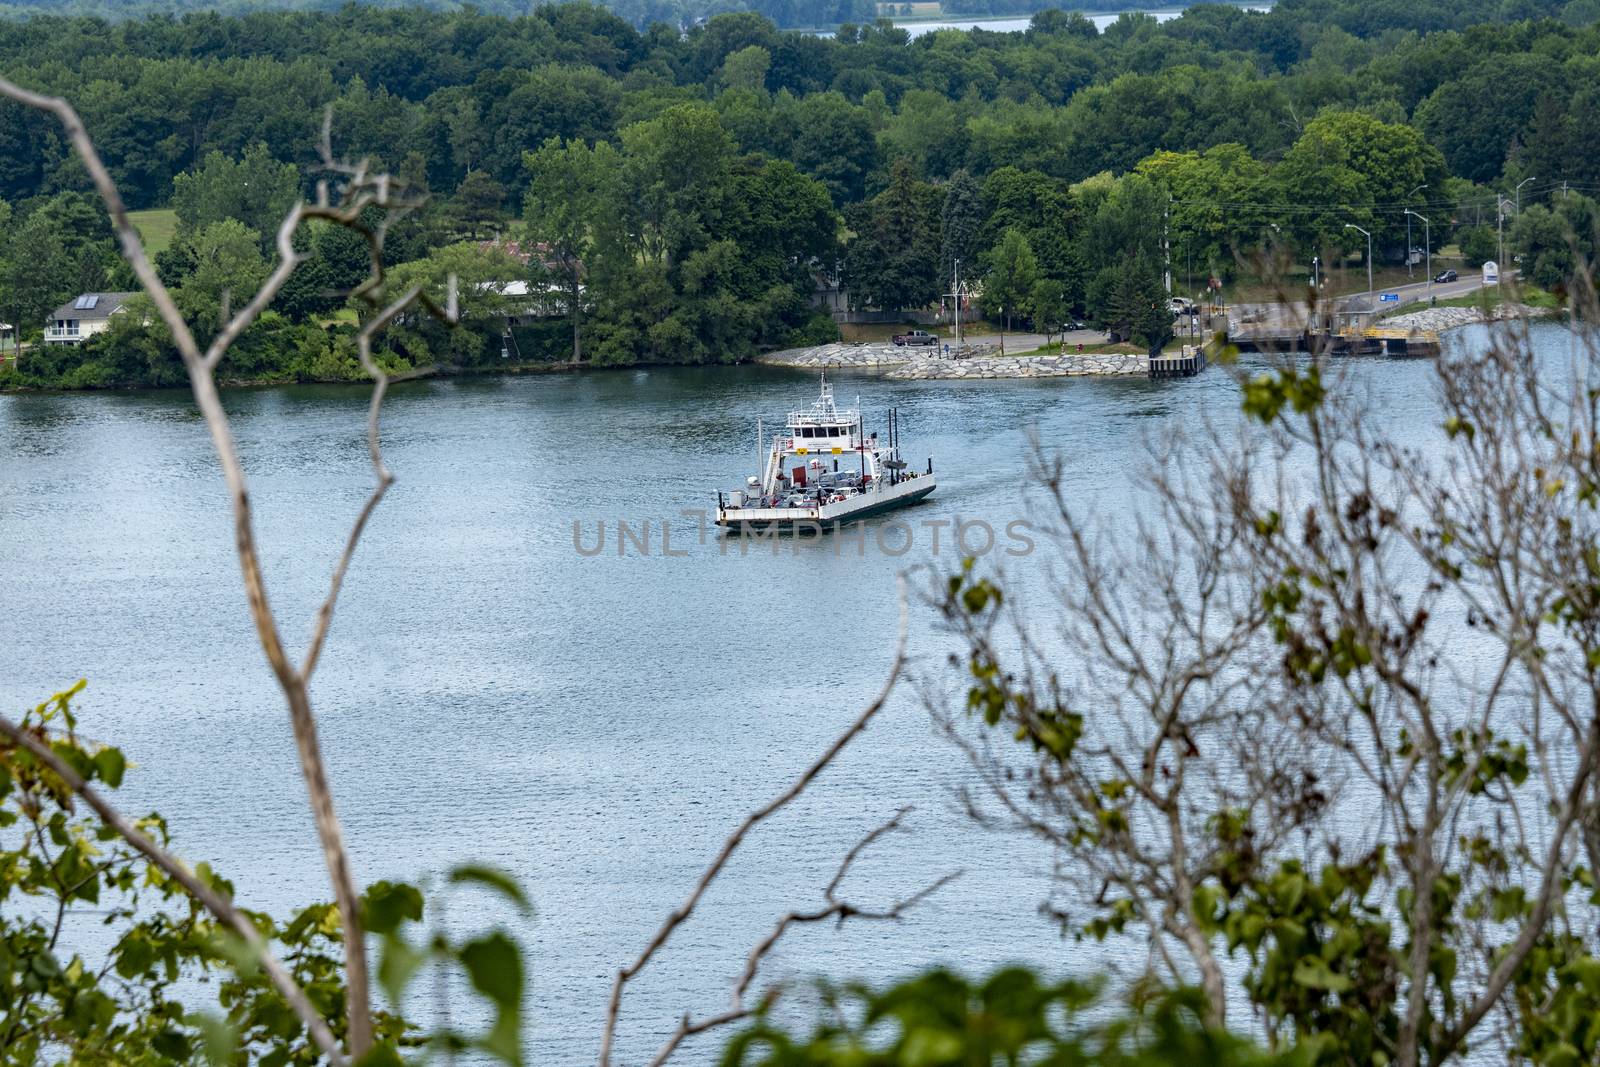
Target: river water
pixel 593 724
pixel 1016 23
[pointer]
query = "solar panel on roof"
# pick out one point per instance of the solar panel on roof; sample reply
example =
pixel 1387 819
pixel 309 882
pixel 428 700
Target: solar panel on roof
pixel 87 301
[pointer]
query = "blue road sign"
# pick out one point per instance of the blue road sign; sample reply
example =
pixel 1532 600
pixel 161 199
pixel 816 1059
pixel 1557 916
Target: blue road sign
pixel 1389 298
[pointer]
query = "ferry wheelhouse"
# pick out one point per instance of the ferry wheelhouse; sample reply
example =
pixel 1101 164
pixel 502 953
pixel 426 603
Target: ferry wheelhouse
pixel 823 470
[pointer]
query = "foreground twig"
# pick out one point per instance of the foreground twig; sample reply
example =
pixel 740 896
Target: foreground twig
pixel 834 908
pixel 709 875
pixel 361 191
pixel 214 902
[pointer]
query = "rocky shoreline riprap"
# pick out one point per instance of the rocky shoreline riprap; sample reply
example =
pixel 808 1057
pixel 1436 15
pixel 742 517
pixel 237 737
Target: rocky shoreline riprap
pixel 907 364
pixel 1096 364
pixel 839 354
pixel 1450 318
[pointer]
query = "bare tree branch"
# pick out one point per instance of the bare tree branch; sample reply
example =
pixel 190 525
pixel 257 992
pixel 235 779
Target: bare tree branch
pixel 682 913
pixel 840 910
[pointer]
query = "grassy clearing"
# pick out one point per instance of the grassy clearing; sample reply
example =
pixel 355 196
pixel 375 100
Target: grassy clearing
pixel 1488 297
pixel 156 228
pixel 343 315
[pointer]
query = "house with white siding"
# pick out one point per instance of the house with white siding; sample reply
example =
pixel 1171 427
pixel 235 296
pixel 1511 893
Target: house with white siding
pixel 83 317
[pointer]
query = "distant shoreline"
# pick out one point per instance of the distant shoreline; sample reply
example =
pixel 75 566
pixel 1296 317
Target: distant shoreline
pixel 969 21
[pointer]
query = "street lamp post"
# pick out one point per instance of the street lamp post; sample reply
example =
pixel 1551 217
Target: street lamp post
pixel 1353 226
pixel 1409 213
pixel 1520 184
pixel 1427 242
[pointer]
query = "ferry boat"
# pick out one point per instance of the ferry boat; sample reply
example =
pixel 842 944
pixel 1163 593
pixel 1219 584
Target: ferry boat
pixel 822 471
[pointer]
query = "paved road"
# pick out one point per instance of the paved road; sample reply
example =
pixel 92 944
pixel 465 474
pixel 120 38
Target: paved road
pixel 1264 314
pixel 1418 292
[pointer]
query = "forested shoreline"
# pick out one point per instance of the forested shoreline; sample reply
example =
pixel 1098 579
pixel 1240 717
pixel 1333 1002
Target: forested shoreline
pixel 694 189
pixel 787 14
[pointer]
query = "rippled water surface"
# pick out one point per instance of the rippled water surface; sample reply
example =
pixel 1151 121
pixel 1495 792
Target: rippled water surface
pixel 595 725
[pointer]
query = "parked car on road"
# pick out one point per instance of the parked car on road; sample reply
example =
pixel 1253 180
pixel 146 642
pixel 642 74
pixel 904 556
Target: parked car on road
pixel 1445 276
pixel 915 337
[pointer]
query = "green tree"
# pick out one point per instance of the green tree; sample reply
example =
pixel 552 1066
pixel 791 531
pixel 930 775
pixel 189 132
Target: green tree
pixel 1049 306
pixel 1121 241
pixel 746 69
pixel 678 166
pixel 1478 244
pixel 783 226
pixel 1401 948
pixel 1011 272
pixel 892 260
pixel 1129 301
pixel 226 266
pixel 960 226
pixel 1221 204
pixel 478 203
pixel 571 211
pixel 483 276
pixel 37 274
pixel 1342 168
pixel 1474 118
pixel 254 189
pixel 574 103
pixel 1558 247
pixel 833 141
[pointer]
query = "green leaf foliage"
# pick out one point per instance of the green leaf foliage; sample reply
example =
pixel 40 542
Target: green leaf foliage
pixel 941 1019
pixel 175 987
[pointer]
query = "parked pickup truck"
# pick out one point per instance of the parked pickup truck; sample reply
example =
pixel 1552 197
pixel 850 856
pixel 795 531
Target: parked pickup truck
pixel 915 337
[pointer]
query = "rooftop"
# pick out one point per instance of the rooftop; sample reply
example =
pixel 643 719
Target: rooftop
pixel 91 307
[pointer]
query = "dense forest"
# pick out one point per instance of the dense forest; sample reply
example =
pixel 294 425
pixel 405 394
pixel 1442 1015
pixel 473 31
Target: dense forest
pixel 695 187
pixel 787 14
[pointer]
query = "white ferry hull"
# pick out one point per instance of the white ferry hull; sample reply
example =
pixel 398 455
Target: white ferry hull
pixel 826 516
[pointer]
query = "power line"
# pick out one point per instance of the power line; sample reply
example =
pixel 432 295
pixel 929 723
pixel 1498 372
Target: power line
pixel 1397 208
pixel 1307 209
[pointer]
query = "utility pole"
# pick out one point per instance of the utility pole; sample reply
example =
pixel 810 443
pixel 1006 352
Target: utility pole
pixel 1427 242
pixel 1353 226
pixel 1500 214
pixel 1166 246
pixel 1409 213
